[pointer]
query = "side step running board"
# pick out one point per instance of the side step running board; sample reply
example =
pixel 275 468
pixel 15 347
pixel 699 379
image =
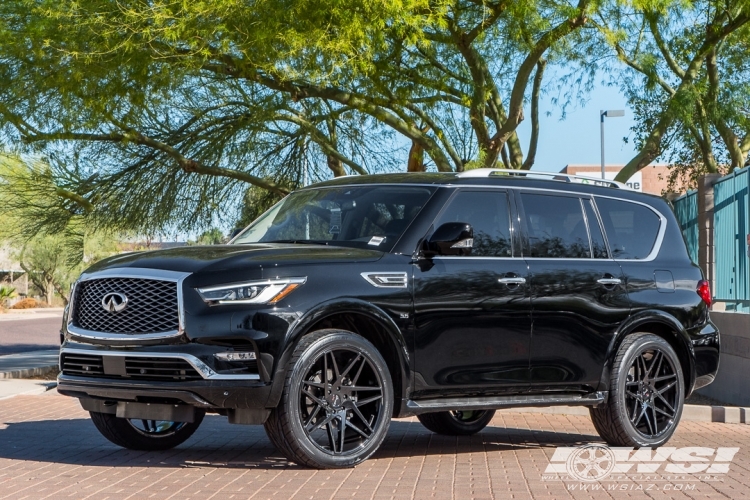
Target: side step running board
pixel 499 402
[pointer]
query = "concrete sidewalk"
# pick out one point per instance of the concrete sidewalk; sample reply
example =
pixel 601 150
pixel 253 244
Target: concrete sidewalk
pixel 30 364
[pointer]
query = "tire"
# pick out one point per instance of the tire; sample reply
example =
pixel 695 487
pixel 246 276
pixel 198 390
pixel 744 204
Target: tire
pixel 322 421
pixel 457 423
pixel 146 435
pixel 646 394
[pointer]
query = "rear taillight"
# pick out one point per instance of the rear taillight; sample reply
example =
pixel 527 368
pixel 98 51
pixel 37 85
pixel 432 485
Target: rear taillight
pixel 704 290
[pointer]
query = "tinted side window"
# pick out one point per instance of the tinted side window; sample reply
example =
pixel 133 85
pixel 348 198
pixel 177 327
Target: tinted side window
pixel 556 226
pixel 595 230
pixel 488 214
pixel 631 229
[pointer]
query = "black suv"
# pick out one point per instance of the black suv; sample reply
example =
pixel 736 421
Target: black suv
pixel 354 301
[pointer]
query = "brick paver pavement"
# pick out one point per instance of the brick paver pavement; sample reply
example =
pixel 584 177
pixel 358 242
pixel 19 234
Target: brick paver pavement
pixel 50 449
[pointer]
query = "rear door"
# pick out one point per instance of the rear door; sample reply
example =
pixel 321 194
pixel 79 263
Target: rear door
pixel 578 292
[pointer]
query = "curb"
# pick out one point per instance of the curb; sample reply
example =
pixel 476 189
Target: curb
pixel 38 372
pixel 691 413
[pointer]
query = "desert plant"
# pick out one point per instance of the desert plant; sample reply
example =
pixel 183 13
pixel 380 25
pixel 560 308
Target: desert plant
pixel 27 303
pixel 6 293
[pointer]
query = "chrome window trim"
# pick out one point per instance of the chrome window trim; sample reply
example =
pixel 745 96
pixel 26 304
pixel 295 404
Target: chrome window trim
pixel 137 273
pixel 203 369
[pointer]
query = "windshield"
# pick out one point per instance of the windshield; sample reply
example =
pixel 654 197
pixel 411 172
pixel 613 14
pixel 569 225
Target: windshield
pixel 359 216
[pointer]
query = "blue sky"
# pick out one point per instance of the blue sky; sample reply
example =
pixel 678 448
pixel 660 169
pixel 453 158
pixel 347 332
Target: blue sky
pixel 575 140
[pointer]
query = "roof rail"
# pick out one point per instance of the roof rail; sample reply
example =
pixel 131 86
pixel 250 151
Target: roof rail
pixel 555 176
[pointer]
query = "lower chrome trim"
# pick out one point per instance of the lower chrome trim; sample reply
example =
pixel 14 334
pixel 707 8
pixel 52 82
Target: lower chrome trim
pixel 205 371
pixel 120 337
pixel 499 402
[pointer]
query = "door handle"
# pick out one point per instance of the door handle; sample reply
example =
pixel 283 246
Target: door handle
pixel 609 281
pixel 512 281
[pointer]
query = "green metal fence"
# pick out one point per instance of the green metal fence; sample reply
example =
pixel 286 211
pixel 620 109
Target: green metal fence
pixel 686 210
pixel 731 233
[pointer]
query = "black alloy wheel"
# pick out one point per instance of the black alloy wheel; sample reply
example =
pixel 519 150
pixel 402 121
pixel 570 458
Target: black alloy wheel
pixel 457 422
pixel 651 393
pixel 337 401
pixel 149 435
pixel 647 393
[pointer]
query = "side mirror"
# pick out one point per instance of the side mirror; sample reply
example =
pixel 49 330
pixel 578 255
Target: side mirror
pixel 452 238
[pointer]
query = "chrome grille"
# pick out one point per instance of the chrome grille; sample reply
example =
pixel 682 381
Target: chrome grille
pixel 152 306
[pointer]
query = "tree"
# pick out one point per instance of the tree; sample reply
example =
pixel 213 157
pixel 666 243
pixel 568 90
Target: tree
pixel 151 112
pixel 213 236
pixel 686 79
pixel 6 293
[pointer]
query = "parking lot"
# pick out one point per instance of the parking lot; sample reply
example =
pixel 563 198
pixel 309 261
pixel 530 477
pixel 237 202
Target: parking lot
pixel 50 449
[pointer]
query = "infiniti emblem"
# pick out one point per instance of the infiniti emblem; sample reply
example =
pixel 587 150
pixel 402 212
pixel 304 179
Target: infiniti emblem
pixel 114 302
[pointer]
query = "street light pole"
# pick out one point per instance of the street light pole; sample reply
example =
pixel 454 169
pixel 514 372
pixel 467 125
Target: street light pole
pixel 611 113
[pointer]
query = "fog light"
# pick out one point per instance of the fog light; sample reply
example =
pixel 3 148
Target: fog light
pixel 235 356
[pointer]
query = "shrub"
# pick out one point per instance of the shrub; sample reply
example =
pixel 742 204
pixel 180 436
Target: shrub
pixel 27 303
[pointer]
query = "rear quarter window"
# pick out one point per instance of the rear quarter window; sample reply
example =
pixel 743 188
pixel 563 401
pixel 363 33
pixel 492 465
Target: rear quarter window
pixel 631 228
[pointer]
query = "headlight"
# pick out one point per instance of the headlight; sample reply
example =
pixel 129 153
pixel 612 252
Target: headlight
pixel 251 292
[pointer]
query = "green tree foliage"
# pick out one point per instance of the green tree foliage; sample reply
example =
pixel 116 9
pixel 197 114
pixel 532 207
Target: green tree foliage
pixel 47 226
pixel 6 293
pixel 213 236
pixel 153 111
pixel 686 77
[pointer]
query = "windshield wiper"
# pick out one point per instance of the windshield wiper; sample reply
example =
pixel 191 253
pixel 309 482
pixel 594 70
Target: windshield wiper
pixel 299 242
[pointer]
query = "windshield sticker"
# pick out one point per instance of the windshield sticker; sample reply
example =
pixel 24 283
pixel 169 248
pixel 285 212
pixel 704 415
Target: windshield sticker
pixel 376 240
pixel 335 224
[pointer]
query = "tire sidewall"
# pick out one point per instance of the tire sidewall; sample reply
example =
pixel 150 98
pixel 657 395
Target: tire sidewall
pixel 635 349
pixel 355 343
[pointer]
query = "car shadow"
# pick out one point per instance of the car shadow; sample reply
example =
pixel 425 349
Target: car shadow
pixel 219 445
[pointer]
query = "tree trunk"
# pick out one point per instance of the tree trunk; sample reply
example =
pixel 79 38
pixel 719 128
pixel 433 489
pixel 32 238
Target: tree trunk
pixel 416 158
pixel 336 166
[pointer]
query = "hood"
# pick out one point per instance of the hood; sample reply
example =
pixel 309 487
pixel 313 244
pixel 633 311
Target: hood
pixel 217 258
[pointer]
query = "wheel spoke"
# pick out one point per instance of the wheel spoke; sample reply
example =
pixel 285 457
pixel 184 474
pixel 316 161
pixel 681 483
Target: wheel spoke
pixel 318 385
pixel 325 421
pixel 648 420
pixel 666 388
pixel 656 422
pixel 658 356
pixel 336 374
pixel 668 415
pixel 665 377
pixel 631 394
pixel 331 437
pixel 364 388
pixel 312 416
pixel 350 366
pixel 658 395
pixel 356 429
pixel 359 370
pixel 314 398
pixel 640 415
pixel 363 402
pixel 361 417
pixel 342 428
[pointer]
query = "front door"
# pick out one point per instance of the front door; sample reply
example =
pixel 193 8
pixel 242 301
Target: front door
pixel 472 313
pixel 578 291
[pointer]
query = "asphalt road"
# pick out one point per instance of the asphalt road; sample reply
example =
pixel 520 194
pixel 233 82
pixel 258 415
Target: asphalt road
pixel 29 334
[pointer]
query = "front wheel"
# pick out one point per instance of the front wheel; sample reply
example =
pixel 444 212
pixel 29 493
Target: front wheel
pixel 457 423
pixel 646 395
pixel 147 435
pixel 337 402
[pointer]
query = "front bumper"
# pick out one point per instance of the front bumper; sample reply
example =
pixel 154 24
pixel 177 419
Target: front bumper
pixel 118 376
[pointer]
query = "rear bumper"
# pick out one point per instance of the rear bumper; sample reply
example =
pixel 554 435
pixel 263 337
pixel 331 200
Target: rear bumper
pixel 706 346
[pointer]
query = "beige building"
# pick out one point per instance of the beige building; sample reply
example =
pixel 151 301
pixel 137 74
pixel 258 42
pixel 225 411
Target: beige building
pixel 652 179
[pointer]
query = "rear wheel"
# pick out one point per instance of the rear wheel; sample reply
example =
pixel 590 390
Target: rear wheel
pixel 148 435
pixel 457 423
pixel 646 394
pixel 337 402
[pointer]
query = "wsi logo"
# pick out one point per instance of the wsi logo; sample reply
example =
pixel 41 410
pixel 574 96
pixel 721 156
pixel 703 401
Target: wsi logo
pixel 598 462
